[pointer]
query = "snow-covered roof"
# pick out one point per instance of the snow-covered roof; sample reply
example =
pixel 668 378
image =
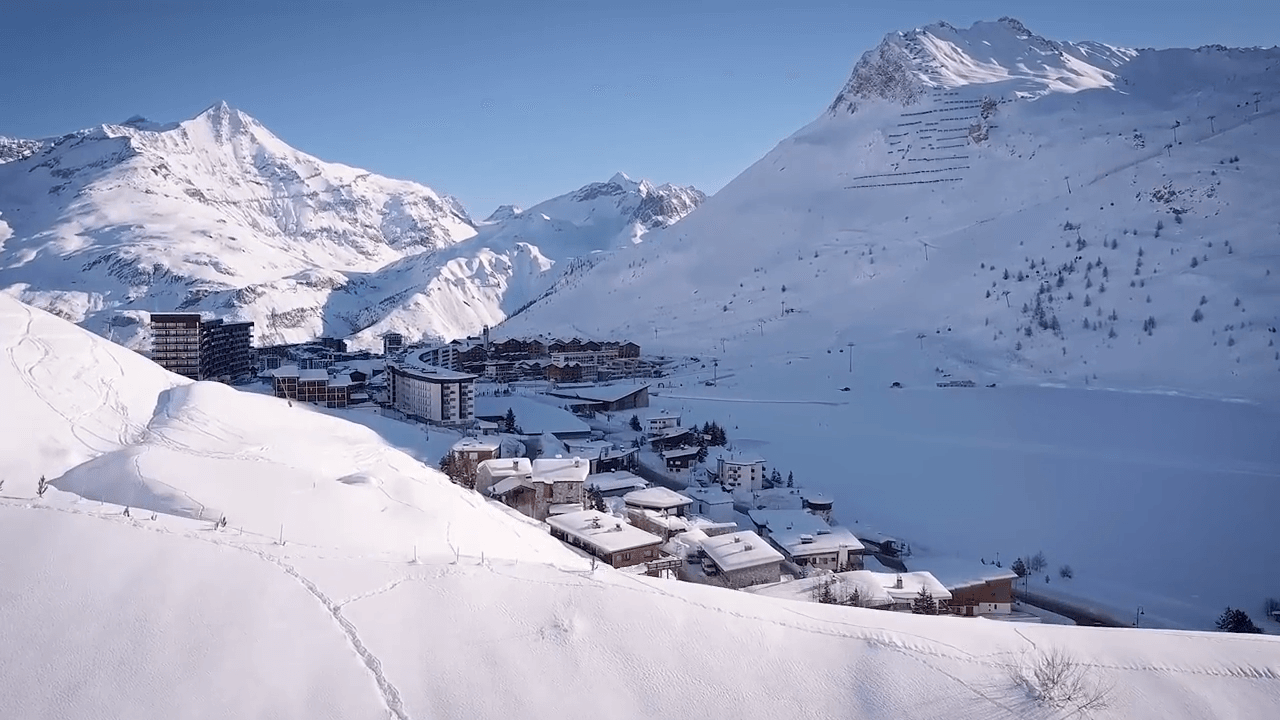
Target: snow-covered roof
pixel 505 467
pixel 875 589
pixel 284 371
pixel 733 457
pixel 955 573
pixel 606 532
pixel 803 533
pixel 413 364
pixel 313 375
pixel 560 469
pixel 506 485
pixel 564 508
pixel 598 393
pixel 588 448
pixel 710 495
pixel 740 550
pixel 658 498
pixel 671 523
pixel 664 416
pixel 671 432
pixel 610 481
pixel 533 417
pixel 490 444
pixel 679 452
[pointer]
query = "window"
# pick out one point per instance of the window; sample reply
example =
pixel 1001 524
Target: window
pixel 626 556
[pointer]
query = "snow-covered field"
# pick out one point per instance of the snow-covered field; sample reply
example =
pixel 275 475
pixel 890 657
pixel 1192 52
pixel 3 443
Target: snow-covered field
pixel 1158 500
pixel 397 594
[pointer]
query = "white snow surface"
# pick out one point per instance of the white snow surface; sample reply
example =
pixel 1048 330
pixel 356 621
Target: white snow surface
pixel 897 212
pixel 516 257
pixel 397 594
pixel 214 214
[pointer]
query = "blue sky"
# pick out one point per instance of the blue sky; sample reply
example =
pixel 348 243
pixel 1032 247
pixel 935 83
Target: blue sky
pixel 513 102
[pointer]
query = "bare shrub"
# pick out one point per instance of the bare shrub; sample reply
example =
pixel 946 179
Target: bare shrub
pixel 1056 679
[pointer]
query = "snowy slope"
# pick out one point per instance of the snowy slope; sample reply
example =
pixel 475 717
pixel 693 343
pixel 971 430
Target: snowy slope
pixel 213 213
pixel 953 155
pixel 397 594
pixel 516 257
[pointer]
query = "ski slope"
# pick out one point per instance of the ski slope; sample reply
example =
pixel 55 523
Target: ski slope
pixel 1118 194
pixel 397 594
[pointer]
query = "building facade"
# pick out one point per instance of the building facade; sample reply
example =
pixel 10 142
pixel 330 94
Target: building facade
pixel 432 393
pixel 200 349
pixel 392 343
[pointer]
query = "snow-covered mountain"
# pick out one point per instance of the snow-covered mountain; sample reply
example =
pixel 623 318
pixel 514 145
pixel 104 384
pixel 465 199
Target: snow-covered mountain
pixel 989 201
pixel 214 213
pixel 516 257
pixel 365 585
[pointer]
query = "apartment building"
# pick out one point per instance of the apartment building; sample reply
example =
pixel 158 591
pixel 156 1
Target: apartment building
pixel 200 349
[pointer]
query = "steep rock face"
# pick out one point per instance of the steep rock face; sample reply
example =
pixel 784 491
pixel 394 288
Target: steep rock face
pixel 214 213
pixel 1031 207
pixel 517 258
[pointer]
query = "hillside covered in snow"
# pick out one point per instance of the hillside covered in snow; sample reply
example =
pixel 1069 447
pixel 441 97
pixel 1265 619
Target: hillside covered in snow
pixel 217 214
pixel 214 213
pixel 364 584
pixel 516 258
pixel 992 204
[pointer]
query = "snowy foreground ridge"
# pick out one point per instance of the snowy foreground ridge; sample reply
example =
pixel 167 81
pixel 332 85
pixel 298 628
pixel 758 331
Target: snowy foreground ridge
pixel 397 594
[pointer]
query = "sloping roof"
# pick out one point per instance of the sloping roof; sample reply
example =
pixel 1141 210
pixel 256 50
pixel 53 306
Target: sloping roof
pixel 284 371
pixel 803 533
pixel 739 550
pixel 475 443
pixel 658 498
pixel 875 589
pixel 679 452
pixel 572 468
pixel 606 532
pixel 313 375
pixel 504 486
pixel 533 417
pixel 955 573
pixel 610 481
pixel 710 495
pixel 598 393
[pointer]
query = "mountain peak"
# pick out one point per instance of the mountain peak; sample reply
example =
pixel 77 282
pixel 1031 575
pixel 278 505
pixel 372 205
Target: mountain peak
pixel 621 179
pixel 504 212
pixel 908 64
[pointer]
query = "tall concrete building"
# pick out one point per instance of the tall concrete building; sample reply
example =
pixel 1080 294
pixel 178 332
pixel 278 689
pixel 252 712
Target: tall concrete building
pixel 201 349
pixel 432 393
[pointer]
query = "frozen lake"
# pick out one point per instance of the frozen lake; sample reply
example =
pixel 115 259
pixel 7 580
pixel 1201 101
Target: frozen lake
pixel 1159 500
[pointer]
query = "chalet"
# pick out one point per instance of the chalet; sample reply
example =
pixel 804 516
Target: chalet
pixel 807 540
pixel 552 482
pixel 680 459
pixel 591 346
pixel 628 350
pixel 564 372
pixel 976 589
pixel 606 398
pixel 712 503
pixel 657 523
pixel 662 422
pixel 604 456
pixel 672 437
pixel 606 537
pixel 469 452
pixel 536 348
pixel 491 472
pixel 658 499
pixel 740 559
pixel 613 484
pixel 877 590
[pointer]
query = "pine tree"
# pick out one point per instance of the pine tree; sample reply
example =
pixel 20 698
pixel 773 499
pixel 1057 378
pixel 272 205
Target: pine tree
pixel 42 487
pixel 511 420
pixel 924 604
pixel 595 500
pixel 1019 568
pixel 776 478
pixel 635 423
pixel 791 479
pixel 1236 621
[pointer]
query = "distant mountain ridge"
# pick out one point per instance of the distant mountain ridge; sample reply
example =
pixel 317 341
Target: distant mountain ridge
pixel 1007 205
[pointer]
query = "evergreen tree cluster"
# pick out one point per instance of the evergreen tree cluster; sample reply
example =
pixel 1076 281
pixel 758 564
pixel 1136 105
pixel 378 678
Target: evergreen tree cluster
pixel 1236 621
pixel 924 604
pixel 712 434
